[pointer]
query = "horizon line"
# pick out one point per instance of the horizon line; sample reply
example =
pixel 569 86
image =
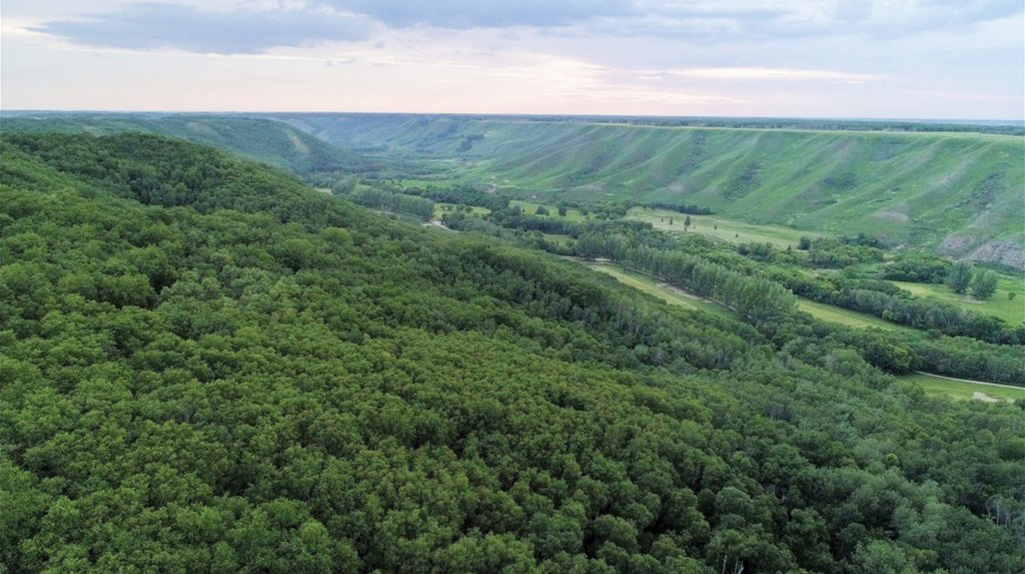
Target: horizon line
pixel 1007 121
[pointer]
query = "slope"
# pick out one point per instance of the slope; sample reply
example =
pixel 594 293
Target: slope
pixel 262 140
pixel 962 194
pixel 209 367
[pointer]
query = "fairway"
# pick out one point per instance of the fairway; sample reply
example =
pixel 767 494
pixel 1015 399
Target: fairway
pixel 1010 310
pixel 719 228
pixel 964 390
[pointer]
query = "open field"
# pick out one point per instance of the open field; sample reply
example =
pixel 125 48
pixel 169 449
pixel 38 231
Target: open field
pixel 847 317
pixel 530 208
pixel 1010 310
pixel 443 208
pixel 667 293
pixel 720 228
pixel 964 390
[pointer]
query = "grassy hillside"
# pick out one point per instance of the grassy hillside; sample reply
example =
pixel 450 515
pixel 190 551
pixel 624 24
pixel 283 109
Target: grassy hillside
pixel 265 141
pixel 961 194
pixel 209 367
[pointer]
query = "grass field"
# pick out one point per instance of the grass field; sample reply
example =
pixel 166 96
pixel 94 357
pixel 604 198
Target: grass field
pixel 666 293
pixel 530 208
pixel 1010 310
pixel 725 229
pixel 845 316
pixel 964 390
pixel 440 209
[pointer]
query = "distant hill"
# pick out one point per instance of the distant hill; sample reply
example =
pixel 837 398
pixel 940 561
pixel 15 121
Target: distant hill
pixel 262 140
pixel 962 194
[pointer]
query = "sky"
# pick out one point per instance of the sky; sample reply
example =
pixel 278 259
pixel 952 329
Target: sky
pixel 928 59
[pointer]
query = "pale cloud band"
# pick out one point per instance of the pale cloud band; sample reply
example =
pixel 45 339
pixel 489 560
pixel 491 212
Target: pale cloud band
pixel 173 26
pixel 864 58
pixel 773 74
pixel 148 26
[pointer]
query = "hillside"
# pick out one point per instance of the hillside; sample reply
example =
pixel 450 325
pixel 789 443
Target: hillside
pixel 209 367
pixel 265 141
pixel 961 194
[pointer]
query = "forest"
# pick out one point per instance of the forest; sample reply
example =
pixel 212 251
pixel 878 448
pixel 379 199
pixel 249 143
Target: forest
pixel 209 366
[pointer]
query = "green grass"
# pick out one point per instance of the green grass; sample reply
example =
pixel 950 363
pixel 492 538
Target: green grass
pixel 720 228
pixel 963 390
pixel 474 210
pixel 847 317
pixel 530 208
pixel 666 293
pixel 1010 310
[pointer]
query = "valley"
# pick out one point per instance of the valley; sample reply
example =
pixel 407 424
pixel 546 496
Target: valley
pixel 301 355
pixel 954 193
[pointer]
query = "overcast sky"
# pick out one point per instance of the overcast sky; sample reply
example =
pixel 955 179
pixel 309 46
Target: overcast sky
pixel 944 59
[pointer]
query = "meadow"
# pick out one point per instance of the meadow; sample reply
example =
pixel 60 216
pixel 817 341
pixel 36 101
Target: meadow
pixel 1011 310
pixel 667 293
pixel 720 228
pixel 530 208
pixel 964 390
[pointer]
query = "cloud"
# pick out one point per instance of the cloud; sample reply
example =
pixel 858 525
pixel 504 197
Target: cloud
pixel 464 14
pixel 163 26
pixel 773 74
pixel 757 18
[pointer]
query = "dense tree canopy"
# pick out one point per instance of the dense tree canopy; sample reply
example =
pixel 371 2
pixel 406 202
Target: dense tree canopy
pixel 208 367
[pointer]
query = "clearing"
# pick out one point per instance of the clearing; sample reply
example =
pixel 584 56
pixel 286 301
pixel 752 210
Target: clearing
pixel 964 390
pixel 719 228
pixel 1010 310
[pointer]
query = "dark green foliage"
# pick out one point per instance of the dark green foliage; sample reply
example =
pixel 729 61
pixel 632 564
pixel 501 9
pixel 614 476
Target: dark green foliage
pixel 242 374
pixel 959 276
pixel 917 267
pixel 984 284
pixel 395 202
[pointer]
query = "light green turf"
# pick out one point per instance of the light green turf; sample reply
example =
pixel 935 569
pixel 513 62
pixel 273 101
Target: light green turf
pixel 905 188
pixel 720 228
pixel 963 390
pixel 664 292
pixel 1012 311
pixel 847 317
